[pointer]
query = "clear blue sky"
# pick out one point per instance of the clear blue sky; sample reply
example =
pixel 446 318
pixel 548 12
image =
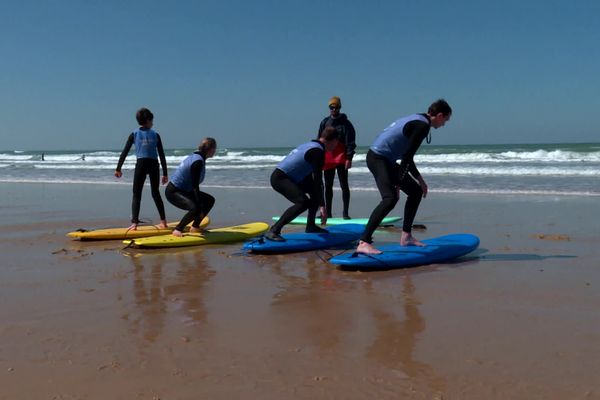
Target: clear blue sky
pixel 259 73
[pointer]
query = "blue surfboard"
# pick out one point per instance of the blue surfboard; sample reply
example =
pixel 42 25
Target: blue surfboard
pixel 440 249
pixel 338 235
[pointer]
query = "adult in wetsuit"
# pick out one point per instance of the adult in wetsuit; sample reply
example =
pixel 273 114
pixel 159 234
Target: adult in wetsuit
pixel 299 179
pixel 148 148
pixel 340 159
pixel 184 189
pixel 400 141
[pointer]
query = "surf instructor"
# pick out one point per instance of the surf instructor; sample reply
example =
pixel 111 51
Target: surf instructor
pixel 299 178
pixel 400 141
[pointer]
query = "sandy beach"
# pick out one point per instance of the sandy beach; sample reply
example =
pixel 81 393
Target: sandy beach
pixel 517 319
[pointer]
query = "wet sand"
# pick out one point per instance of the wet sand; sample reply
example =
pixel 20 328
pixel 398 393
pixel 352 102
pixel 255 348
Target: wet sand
pixel 517 319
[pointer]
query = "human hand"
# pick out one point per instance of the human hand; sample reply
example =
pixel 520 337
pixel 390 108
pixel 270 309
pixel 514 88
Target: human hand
pixel 165 179
pixel 118 174
pixel 348 164
pixel 424 187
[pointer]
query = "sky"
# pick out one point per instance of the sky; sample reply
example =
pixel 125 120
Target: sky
pixel 259 73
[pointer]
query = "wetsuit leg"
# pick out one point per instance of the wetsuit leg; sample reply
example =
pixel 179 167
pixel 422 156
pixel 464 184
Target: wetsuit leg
pixel 386 177
pixel 184 201
pixel 414 195
pixel 154 173
pixel 328 177
pixel 206 204
pixel 291 191
pixel 139 177
pixel 343 177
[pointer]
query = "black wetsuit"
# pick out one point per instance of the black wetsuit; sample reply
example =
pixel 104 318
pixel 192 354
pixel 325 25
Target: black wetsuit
pixel 312 185
pixel 347 136
pixel 389 175
pixel 145 167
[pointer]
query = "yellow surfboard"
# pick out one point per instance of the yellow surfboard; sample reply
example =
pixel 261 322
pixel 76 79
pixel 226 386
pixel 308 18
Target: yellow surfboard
pixel 220 235
pixel 126 233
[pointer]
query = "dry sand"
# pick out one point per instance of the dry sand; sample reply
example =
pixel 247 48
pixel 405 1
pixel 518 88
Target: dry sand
pixel 517 319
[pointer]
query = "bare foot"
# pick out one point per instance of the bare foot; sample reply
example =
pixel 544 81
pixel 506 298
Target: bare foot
pixel 163 224
pixel 193 229
pixel 409 240
pixel 133 227
pixel 177 233
pixel 367 248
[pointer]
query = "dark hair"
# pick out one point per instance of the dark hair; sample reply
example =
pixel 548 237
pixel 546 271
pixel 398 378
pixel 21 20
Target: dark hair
pixel 207 144
pixel 144 115
pixel 439 106
pixel 329 134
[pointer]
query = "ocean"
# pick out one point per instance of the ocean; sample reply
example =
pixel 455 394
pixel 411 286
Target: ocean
pixel 536 169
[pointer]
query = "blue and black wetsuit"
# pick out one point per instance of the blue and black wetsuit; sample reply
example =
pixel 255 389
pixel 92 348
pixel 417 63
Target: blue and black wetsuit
pixel 299 175
pixel 399 141
pixel 183 191
pixel 148 149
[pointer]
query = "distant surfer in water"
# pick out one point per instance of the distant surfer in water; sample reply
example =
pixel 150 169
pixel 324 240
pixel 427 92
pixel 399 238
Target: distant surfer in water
pixel 299 178
pixel 148 148
pixel 400 141
pixel 340 159
pixel 183 191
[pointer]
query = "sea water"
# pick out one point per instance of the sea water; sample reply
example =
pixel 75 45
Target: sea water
pixel 553 169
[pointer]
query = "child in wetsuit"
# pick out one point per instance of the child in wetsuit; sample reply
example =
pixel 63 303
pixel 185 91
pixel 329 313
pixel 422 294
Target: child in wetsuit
pixel 148 148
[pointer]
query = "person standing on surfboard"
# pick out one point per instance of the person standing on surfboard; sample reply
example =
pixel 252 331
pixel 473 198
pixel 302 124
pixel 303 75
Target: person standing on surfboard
pixel 299 178
pixel 184 189
pixel 148 148
pixel 340 159
pixel 400 141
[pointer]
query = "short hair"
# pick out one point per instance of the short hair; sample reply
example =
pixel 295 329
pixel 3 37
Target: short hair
pixel 439 106
pixel 207 144
pixel 144 115
pixel 330 133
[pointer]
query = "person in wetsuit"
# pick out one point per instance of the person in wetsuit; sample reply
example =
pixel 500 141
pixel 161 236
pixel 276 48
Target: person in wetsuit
pixel 148 148
pixel 340 159
pixel 184 189
pixel 400 141
pixel 299 179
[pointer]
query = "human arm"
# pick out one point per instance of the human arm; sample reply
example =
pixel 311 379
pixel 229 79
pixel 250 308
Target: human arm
pixel 322 126
pixel 316 158
pixel 350 143
pixel 123 156
pixel 195 173
pixel 415 131
pixel 163 160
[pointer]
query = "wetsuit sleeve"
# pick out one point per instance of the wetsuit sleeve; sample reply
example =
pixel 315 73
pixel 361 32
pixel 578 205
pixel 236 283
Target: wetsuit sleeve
pixel 322 127
pixel 195 170
pixel 416 131
pixel 161 155
pixel 350 140
pixel 316 158
pixel 125 151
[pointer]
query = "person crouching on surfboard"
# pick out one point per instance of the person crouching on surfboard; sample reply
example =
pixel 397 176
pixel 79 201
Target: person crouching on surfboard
pixel 400 141
pixel 183 191
pixel 301 174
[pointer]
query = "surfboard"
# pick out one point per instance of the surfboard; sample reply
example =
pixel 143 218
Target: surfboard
pixel 219 235
pixel 440 249
pixel 126 233
pixel 338 235
pixel 338 221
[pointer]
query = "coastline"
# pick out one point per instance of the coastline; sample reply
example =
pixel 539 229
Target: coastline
pixel 516 319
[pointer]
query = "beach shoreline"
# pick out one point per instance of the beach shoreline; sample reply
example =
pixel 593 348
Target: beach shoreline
pixel 515 319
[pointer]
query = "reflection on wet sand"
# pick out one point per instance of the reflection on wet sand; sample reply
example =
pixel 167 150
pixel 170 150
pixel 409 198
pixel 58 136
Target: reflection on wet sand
pixel 163 294
pixel 396 340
